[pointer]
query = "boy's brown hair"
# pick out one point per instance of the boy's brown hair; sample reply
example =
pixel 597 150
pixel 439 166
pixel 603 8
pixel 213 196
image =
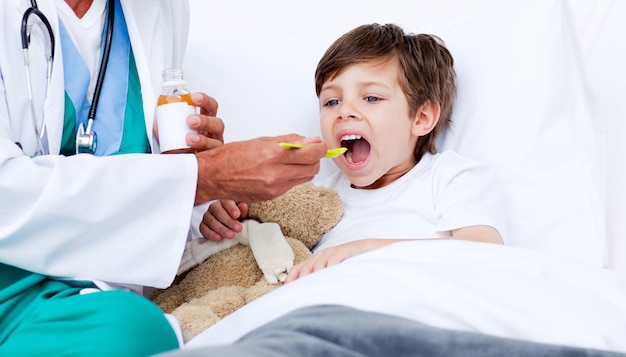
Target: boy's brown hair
pixel 427 73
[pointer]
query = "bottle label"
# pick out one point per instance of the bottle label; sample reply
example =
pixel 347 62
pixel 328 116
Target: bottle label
pixel 172 122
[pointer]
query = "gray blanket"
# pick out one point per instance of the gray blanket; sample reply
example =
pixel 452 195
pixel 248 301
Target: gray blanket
pixel 331 330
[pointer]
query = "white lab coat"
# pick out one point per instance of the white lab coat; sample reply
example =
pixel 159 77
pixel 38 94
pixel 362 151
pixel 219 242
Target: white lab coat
pixel 120 219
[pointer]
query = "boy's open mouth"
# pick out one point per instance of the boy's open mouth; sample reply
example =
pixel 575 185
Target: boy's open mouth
pixel 358 148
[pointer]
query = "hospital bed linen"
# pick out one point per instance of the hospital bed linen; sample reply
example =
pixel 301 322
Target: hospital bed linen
pixel 340 331
pixel 491 289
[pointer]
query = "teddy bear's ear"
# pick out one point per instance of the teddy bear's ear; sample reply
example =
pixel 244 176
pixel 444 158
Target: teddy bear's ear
pixel 305 212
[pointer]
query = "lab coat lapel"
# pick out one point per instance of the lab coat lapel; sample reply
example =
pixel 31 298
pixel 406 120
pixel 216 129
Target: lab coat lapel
pixel 142 21
pixel 54 98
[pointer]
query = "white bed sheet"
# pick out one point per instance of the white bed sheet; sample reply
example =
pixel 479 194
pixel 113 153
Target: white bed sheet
pixel 499 290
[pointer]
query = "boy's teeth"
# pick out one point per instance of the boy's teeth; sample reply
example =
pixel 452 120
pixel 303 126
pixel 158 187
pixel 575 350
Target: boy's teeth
pixel 351 137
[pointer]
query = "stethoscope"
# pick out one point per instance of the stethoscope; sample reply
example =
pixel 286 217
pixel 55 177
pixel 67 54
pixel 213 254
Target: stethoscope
pixel 86 139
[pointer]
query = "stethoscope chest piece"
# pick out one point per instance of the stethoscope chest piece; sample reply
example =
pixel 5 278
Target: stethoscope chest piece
pixel 86 141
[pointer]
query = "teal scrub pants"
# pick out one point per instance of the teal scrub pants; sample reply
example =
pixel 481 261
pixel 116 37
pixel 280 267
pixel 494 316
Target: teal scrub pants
pixel 44 317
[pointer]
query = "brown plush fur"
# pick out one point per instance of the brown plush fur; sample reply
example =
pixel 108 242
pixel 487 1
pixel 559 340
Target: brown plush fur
pixel 231 278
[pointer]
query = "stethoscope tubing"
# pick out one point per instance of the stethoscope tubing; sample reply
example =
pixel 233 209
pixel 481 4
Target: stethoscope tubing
pixel 103 65
pixel 25 36
pixel 24 30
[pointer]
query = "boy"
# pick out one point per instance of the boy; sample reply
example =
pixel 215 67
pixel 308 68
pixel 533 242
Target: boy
pixel 385 95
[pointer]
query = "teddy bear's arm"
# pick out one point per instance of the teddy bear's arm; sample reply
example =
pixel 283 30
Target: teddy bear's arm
pixel 198 250
pixel 270 249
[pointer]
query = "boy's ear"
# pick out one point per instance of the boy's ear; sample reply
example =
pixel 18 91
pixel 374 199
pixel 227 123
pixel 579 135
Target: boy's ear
pixel 426 118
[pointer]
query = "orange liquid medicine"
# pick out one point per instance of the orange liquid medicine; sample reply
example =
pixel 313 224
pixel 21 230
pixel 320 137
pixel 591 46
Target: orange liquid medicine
pixel 173 107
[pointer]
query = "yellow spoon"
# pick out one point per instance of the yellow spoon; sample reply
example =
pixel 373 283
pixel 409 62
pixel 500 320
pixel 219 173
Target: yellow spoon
pixel 332 153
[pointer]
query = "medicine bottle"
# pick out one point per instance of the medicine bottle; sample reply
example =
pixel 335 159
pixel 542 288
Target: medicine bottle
pixel 173 107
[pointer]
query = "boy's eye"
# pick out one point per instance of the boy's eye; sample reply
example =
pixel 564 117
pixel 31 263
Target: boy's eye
pixel 371 99
pixel 332 102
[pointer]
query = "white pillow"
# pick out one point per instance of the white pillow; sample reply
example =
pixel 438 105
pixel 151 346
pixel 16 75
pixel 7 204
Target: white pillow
pixel 524 106
pixel 523 103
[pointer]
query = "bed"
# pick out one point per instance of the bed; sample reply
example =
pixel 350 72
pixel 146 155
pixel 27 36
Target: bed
pixel 541 92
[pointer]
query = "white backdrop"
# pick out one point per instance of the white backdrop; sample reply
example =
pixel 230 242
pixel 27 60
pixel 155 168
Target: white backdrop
pixel 601 30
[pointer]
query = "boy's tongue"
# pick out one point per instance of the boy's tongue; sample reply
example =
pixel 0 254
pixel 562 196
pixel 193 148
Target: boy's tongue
pixel 360 151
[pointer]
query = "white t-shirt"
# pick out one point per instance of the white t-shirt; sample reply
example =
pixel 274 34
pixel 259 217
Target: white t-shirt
pixel 87 40
pixel 441 193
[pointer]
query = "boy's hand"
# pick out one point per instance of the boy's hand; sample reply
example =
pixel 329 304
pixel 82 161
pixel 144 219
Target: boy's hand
pixel 221 220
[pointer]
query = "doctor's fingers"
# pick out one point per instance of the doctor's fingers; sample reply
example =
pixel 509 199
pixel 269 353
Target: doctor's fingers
pixel 278 179
pixel 201 142
pixel 207 104
pixel 253 170
pixel 210 132
pixel 208 126
pixel 270 188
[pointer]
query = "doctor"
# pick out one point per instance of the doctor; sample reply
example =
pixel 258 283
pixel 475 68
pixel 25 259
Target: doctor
pixel 75 226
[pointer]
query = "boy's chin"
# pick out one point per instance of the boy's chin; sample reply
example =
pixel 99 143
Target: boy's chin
pixel 361 182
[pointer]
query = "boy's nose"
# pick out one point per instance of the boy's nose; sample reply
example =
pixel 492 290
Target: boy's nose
pixel 348 111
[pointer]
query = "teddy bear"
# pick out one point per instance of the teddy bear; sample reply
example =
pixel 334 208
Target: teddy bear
pixel 217 278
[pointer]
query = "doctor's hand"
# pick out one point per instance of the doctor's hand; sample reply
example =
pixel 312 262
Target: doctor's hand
pixel 210 128
pixel 258 169
pixel 221 220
